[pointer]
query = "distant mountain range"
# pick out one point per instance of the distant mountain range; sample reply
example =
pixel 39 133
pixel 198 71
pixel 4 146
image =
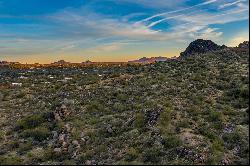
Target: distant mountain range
pixel 198 46
pixel 151 60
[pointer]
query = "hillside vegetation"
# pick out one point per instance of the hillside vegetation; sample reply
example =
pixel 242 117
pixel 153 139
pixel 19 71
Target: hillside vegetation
pixel 192 110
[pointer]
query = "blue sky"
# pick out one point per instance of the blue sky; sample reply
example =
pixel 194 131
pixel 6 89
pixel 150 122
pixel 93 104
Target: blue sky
pixel 115 30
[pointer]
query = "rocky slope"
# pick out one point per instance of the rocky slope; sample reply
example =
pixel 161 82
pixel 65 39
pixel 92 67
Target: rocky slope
pixel 191 110
pixel 201 46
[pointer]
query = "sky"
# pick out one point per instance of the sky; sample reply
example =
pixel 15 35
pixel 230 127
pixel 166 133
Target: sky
pixel 45 31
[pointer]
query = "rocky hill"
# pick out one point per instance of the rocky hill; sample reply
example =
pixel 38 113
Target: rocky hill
pixel 193 110
pixel 201 46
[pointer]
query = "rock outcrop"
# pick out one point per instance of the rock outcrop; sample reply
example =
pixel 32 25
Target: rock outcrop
pixel 244 45
pixel 201 46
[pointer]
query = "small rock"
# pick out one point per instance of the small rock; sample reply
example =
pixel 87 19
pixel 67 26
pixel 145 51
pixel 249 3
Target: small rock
pixel 64 144
pixel 75 142
pixel 62 138
pixel 63 106
pixel 83 140
pixel 109 129
pixel 57 117
pixel 88 162
pixel 55 134
pixel 68 128
pixel 58 150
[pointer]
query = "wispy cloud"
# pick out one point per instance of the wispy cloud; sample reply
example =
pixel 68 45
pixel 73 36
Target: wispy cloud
pixel 175 11
pixel 230 4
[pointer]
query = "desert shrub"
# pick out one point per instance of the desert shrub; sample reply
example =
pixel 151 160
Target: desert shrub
pixel 36 154
pixel 39 133
pixel 217 145
pixel 132 154
pixel 164 119
pixel 21 94
pixel 194 110
pixel 68 162
pixel 171 141
pixel 214 158
pixel 95 107
pixel 30 122
pixel 122 97
pixel 229 111
pixel 101 149
pixel 139 120
pixel 25 147
pixel 13 144
pixel 144 83
pixel 86 156
pixel 90 79
pixel 119 107
pixel 184 123
pixel 10 160
pixel 49 154
pixel 215 116
pixel 2 134
pixel 207 132
pixel 75 134
pixel 216 154
pixel 152 155
pixel 5 95
pixel 232 139
pixel 244 91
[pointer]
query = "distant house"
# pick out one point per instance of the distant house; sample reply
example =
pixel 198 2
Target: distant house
pixel 67 78
pixel 23 77
pixel 16 84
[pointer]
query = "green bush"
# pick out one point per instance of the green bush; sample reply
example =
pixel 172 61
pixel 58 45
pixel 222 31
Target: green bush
pixel 206 131
pixel 216 154
pixel 2 134
pixel 215 116
pixel 13 144
pixel 184 123
pixel 164 120
pixel 30 122
pixel 151 155
pixel 119 107
pixel 132 154
pixel 139 120
pixel 25 147
pixel 10 160
pixel 39 133
pixel 217 145
pixel 171 141
pixel 21 95
pixel 232 138
pixel 86 156
pixel 68 162
pixel 95 107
